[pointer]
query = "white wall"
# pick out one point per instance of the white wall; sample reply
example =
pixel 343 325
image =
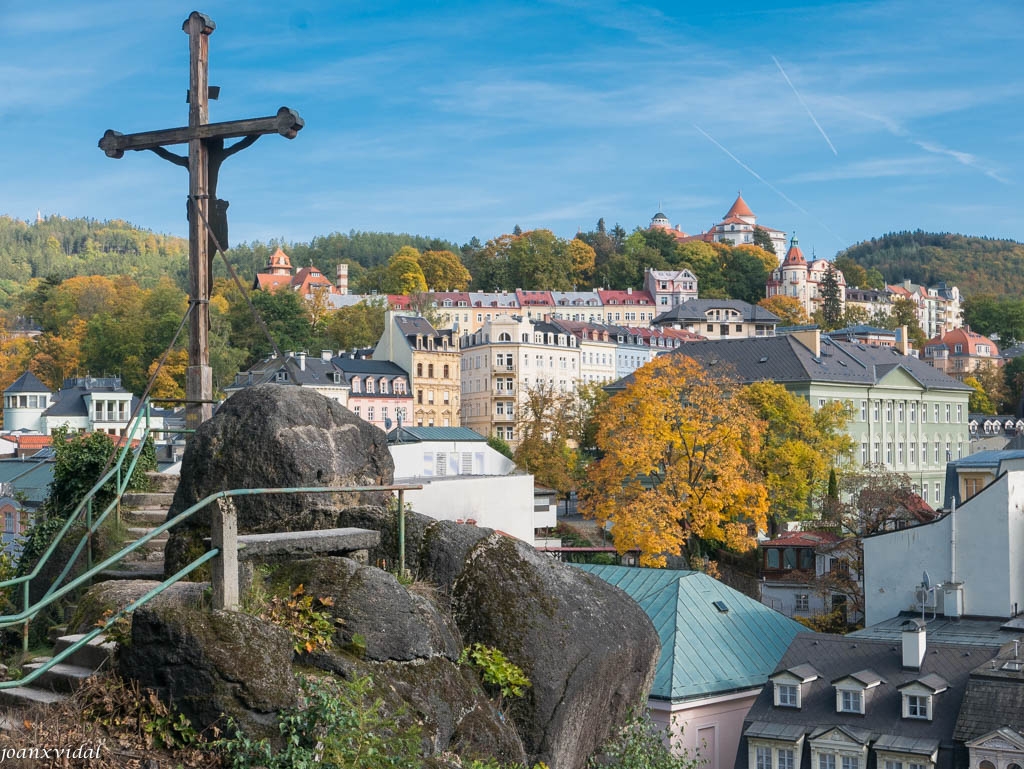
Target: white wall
pixel 413 460
pixel 504 503
pixel 989 548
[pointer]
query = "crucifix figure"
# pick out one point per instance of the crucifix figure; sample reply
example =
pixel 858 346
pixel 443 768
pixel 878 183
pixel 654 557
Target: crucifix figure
pixel 207 224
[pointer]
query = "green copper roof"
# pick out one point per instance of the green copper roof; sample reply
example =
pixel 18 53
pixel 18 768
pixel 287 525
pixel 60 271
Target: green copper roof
pixel 411 434
pixel 704 650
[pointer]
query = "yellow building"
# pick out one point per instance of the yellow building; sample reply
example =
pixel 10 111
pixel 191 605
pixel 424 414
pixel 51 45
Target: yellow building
pixel 432 358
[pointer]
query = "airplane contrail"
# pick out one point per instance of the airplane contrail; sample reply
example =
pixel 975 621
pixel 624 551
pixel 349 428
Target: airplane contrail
pixel 768 184
pixel 808 109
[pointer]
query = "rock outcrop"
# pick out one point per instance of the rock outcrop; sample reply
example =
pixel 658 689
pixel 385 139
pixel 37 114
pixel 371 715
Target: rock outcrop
pixel 273 436
pixel 213 664
pixel 588 649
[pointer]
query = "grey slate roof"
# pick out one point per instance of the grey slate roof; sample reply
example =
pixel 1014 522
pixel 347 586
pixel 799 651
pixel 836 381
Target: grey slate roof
pixel 418 326
pixel 695 311
pixel 836 657
pixel 994 699
pixel 966 631
pixel 27 383
pixel 786 360
pixel 317 372
pixel 69 401
pixel 704 651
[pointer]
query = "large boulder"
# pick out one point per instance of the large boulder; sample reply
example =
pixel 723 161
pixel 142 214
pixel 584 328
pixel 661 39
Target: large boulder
pixel 276 436
pixel 588 649
pixel 376 615
pixel 213 664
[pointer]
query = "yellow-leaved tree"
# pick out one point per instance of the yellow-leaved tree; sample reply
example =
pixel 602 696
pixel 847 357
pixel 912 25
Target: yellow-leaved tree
pixel 676 464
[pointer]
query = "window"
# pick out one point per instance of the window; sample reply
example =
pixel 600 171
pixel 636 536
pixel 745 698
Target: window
pixel 947 413
pixel 936 450
pixel 959 413
pixel 924 413
pixel 893 764
pixel 916 706
pixel 864 453
pixel 786 758
pixel 787 695
pixel 369 384
pixel 876 411
pixel 802 602
pixel 419 369
pixel 913 453
pixel 9 522
pixel 851 762
pixel 913 412
pixel 369 413
pixel 446 371
pixel 876 452
pixel 888 411
pixel 356 410
pixel 936 412
pixel 763 758
pixel 850 702
pixel 863 411
pixel 826 761
pixel 938 496
pixel 899 453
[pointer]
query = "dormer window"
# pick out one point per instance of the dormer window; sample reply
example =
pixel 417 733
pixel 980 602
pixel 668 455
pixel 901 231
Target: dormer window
pixel 918 696
pixel 788 685
pixel 851 690
pixel 850 701
pixel 787 695
pixel 282 376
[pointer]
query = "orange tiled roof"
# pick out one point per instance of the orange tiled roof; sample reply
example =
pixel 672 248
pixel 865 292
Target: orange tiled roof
pixel 739 208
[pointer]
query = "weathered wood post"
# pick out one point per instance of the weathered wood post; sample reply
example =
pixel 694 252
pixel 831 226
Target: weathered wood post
pixel 224 537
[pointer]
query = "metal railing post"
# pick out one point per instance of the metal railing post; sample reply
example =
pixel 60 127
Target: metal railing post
pixel 24 634
pixel 117 510
pixel 224 568
pixel 88 534
pixel 401 532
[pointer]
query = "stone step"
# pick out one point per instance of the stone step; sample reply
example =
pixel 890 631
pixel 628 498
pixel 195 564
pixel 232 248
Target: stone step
pixel 163 482
pixel 151 517
pixel 93 655
pixel 147 499
pixel 22 697
pixel 60 678
pixel 138 532
pixel 136 570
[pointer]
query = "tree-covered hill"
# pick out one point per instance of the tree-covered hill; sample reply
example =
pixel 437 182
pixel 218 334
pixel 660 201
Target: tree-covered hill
pixel 976 265
pixel 65 248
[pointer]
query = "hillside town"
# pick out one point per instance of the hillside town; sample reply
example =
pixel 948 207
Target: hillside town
pixel 413 467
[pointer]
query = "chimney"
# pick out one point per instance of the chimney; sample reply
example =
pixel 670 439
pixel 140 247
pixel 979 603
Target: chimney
pixel 629 290
pixel 914 643
pixel 325 355
pixel 342 279
pixel 811 339
pixel 302 361
pixel 903 343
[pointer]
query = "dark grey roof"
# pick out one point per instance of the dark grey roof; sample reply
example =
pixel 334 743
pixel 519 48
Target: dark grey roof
pixel 695 311
pixel 369 366
pixel 27 383
pixel 69 401
pixel 836 657
pixel 786 360
pixel 313 372
pixel 994 699
pixel 965 631
pixel 418 326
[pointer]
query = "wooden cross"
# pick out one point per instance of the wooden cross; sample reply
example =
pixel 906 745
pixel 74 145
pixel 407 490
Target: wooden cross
pixel 206 152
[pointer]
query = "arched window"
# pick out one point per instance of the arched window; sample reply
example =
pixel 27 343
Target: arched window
pixel 504 336
pixel 445 370
pixel 419 369
pixel 986 765
pixel 383 385
pixel 369 384
pixel 1013 766
pixel 356 384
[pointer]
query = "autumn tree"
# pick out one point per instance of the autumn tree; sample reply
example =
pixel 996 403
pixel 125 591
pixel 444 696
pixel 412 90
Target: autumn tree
pixel 790 310
pixel 993 382
pixel 543 430
pixel 444 271
pixel 359 325
pixel 676 467
pixel 798 448
pixel 404 274
pixel 979 402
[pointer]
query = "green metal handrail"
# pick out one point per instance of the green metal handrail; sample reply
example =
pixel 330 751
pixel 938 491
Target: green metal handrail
pixel 26 615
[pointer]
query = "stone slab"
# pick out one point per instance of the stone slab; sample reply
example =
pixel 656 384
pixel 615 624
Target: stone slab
pixel 303 543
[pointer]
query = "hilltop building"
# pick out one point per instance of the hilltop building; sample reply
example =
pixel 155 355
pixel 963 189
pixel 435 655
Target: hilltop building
pixel 802 280
pixel 961 352
pixel 736 227
pixel 939 308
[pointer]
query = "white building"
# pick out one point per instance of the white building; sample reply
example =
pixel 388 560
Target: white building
pixel 466 481
pixel 973 556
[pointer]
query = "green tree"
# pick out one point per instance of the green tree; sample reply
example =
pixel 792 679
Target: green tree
pixel 854 273
pixel 404 274
pixel 831 300
pixel 360 325
pixel 763 240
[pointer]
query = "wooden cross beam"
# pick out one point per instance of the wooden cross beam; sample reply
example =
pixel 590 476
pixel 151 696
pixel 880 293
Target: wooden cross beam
pixel 206 152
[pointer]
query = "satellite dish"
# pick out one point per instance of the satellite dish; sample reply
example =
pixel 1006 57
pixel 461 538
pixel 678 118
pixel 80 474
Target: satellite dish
pixel 927 583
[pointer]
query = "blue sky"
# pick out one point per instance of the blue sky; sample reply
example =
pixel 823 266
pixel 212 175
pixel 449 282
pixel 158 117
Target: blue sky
pixel 839 121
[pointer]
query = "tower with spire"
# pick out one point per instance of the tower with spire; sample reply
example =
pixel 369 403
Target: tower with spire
pixel 801 280
pixel 737 227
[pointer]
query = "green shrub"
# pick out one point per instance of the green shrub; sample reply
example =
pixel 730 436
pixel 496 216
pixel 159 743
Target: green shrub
pixel 341 724
pixel 641 745
pixel 496 669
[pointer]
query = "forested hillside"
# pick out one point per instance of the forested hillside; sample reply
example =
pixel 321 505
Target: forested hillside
pixel 976 265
